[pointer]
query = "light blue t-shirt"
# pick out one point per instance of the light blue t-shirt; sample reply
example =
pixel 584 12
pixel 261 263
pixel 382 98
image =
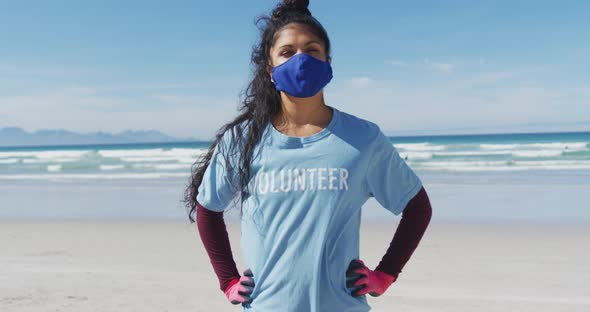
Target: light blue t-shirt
pixel 301 223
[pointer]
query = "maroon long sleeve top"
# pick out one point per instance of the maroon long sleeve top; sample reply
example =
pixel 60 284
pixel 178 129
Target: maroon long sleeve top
pixel 414 221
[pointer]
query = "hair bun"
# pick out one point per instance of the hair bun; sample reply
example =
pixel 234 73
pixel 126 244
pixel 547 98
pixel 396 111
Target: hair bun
pixel 286 6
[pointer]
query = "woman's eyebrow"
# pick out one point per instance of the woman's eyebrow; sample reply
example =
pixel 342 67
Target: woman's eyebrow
pixel 306 44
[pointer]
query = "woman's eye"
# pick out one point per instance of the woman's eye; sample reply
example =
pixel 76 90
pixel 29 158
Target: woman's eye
pixel 288 53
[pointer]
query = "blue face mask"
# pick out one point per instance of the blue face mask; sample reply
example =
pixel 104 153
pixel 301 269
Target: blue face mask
pixel 302 75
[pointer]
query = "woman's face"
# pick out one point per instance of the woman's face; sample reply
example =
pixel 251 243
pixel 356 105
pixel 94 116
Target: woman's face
pixel 293 39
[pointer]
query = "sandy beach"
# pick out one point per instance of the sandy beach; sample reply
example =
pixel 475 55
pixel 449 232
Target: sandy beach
pixel 92 265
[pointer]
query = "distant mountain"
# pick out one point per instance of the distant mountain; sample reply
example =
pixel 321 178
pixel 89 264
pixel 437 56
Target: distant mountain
pixel 14 136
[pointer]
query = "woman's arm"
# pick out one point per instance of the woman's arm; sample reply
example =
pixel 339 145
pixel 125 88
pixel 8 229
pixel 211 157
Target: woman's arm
pixel 415 219
pixel 215 238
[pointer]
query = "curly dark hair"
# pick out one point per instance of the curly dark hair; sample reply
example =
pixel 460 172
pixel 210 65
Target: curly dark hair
pixel 259 101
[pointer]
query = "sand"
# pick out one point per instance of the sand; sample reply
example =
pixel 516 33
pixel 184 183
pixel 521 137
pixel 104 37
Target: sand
pixel 95 265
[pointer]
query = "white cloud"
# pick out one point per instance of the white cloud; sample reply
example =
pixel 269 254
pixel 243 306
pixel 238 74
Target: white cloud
pixel 83 109
pixel 492 77
pixel 445 67
pixel 426 62
pixel 154 86
pixel 439 66
pixel 360 82
pixel 400 106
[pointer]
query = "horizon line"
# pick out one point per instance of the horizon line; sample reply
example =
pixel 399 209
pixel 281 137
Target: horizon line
pixel 3 147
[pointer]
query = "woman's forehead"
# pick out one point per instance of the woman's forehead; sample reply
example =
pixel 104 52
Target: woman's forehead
pixel 292 33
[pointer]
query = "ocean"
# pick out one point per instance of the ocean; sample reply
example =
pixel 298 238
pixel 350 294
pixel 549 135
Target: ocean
pixel 541 177
pixel 452 153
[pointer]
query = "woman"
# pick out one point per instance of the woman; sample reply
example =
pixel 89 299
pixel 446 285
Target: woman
pixel 301 170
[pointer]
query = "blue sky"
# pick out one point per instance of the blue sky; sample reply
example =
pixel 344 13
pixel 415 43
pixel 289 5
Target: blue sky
pixel 413 67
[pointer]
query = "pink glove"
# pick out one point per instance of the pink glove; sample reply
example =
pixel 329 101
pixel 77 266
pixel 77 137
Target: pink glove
pixel 239 289
pixel 361 280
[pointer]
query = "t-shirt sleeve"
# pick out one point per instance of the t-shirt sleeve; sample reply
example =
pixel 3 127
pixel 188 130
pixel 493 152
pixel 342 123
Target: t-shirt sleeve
pixel 219 185
pixel 389 179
